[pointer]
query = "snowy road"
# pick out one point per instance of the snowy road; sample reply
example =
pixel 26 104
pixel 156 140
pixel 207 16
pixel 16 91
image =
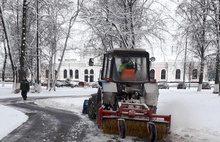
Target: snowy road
pixel 46 124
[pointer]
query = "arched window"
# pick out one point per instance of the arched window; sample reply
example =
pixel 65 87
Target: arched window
pixel 91 75
pixel 76 74
pixel 91 71
pixel 86 71
pixel 178 74
pixel 163 74
pixel 71 73
pixel 152 74
pixel 47 73
pixel 194 74
pixel 65 73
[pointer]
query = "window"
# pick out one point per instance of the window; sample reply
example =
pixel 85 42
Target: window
pixel 91 75
pixel 178 74
pixel 152 74
pixel 86 71
pixel 86 78
pixel 91 78
pixel 194 74
pixel 76 74
pixel 65 73
pixel 86 75
pixel 139 64
pixel 91 71
pixel 71 74
pixel 163 74
pixel 47 73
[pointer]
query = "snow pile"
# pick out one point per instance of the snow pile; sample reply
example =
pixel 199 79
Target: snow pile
pixel 195 115
pixel 10 119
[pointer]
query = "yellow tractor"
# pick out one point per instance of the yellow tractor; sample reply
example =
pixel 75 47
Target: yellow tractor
pixel 126 101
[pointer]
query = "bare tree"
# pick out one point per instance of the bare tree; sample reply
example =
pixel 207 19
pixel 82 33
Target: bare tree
pixel 124 23
pixel 195 15
pixel 68 34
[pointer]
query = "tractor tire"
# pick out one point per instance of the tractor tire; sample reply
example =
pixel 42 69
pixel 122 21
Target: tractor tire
pixel 122 128
pixel 91 109
pixel 98 100
pixel 152 130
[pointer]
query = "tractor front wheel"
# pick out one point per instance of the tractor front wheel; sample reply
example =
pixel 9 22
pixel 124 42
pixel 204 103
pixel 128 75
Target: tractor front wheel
pixel 152 130
pixel 122 128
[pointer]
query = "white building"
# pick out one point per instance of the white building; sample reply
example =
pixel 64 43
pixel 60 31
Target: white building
pixel 77 69
pixel 174 71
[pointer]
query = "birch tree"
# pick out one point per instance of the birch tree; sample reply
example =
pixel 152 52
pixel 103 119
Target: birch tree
pixel 23 42
pixel 9 48
pixel 215 25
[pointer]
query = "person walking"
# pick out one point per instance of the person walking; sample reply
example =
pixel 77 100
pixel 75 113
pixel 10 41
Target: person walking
pixel 24 87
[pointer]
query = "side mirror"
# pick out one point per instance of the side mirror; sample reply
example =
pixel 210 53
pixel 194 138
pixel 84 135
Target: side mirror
pixel 91 61
pixel 152 59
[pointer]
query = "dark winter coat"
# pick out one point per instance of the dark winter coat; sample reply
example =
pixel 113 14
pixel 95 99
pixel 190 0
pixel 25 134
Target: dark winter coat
pixel 24 85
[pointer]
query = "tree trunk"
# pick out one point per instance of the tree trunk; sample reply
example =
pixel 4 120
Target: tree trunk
pixel 201 75
pixel 38 81
pixel 4 65
pixel 7 37
pixel 217 17
pixel 216 87
pixel 202 48
pixel 23 42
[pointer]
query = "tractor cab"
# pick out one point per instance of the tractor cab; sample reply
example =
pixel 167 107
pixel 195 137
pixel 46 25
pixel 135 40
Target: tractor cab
pixel 123 65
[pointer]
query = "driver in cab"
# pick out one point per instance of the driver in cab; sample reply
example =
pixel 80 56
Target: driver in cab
pixel 127 69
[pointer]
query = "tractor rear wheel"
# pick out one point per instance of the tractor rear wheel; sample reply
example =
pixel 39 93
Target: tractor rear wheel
pixel 98 100
pixel 90 109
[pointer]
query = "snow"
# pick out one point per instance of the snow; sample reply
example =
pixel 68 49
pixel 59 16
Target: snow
pixel 10 119
pixel 195 115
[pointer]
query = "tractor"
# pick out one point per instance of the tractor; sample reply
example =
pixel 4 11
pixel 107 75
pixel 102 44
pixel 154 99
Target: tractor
pixel 126 101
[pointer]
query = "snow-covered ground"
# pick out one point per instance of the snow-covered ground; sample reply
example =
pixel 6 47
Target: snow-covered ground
pixel 195 115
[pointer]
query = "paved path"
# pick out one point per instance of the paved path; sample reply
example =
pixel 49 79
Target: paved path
pixel 45 124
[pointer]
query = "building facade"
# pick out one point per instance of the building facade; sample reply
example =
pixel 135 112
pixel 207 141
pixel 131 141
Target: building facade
pixel 75 71
pixel 174 72
pixel 79 70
